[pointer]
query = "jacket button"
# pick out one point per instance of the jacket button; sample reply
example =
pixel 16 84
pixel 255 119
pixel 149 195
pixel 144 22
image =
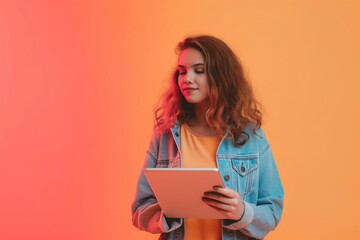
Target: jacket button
pixel 176 134
pixel 227 177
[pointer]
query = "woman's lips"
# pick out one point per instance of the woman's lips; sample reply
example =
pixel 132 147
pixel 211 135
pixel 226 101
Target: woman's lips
pixel 189 89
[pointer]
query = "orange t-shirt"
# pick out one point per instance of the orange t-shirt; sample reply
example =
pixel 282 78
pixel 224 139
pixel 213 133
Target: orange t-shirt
pixel 199 151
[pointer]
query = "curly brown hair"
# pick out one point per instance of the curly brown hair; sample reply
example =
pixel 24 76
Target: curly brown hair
pixel 232 102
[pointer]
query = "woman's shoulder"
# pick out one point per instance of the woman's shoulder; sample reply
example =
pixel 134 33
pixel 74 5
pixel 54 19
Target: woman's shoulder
pixel 163 142
pixel 253 131
pixel 165 134
pixel 255 136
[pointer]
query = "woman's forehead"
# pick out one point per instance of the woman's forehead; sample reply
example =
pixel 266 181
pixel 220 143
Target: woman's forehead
pixel 189 57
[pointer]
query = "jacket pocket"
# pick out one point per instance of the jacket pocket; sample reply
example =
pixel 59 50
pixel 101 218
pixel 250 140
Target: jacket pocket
pixel 162 163
pixel 168 163
pixel 245 170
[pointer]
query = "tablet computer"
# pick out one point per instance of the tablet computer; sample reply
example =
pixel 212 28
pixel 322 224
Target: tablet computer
pixel 179 191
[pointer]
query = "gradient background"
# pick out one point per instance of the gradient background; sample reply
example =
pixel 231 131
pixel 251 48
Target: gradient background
pixel 79 81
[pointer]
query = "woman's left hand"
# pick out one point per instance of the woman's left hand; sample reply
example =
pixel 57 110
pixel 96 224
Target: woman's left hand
pixel 226 201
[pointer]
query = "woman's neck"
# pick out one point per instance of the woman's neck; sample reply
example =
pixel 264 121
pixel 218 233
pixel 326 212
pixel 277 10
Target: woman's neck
pixel 199 124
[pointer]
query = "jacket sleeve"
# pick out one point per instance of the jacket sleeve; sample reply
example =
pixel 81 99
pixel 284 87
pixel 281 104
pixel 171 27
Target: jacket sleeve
pixel 146 212
pixel 261 218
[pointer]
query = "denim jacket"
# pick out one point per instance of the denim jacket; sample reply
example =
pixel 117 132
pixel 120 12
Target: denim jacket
pixel 249 170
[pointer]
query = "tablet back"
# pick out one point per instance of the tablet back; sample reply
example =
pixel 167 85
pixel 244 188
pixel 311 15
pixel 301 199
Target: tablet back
pixel 179 191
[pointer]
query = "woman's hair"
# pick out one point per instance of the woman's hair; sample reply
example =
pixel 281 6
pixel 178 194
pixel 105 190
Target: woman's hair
pixel 232 102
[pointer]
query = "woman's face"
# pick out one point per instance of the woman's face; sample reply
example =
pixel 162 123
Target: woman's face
pixel 193 80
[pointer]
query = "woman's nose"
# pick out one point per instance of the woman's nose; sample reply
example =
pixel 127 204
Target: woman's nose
pixel 189 78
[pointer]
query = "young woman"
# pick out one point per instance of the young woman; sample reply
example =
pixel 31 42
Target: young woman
pixel 209 117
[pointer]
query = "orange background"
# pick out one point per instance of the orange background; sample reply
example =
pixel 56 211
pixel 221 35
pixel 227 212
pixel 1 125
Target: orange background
pixel 79 81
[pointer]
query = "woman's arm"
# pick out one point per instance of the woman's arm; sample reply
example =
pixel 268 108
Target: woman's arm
pixel 146 212
pixel 265 215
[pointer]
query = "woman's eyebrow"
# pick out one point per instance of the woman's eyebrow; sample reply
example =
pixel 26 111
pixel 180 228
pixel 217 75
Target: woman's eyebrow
pixel 195 65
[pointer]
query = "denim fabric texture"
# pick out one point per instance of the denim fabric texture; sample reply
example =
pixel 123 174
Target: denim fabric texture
pixel 249 170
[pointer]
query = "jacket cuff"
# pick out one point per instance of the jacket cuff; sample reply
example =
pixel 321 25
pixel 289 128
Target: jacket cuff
pixel 244 221
pixel 169 224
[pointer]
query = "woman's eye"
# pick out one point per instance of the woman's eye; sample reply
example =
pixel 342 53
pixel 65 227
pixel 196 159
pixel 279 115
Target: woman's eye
pixel 182 72
pixel 199 70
